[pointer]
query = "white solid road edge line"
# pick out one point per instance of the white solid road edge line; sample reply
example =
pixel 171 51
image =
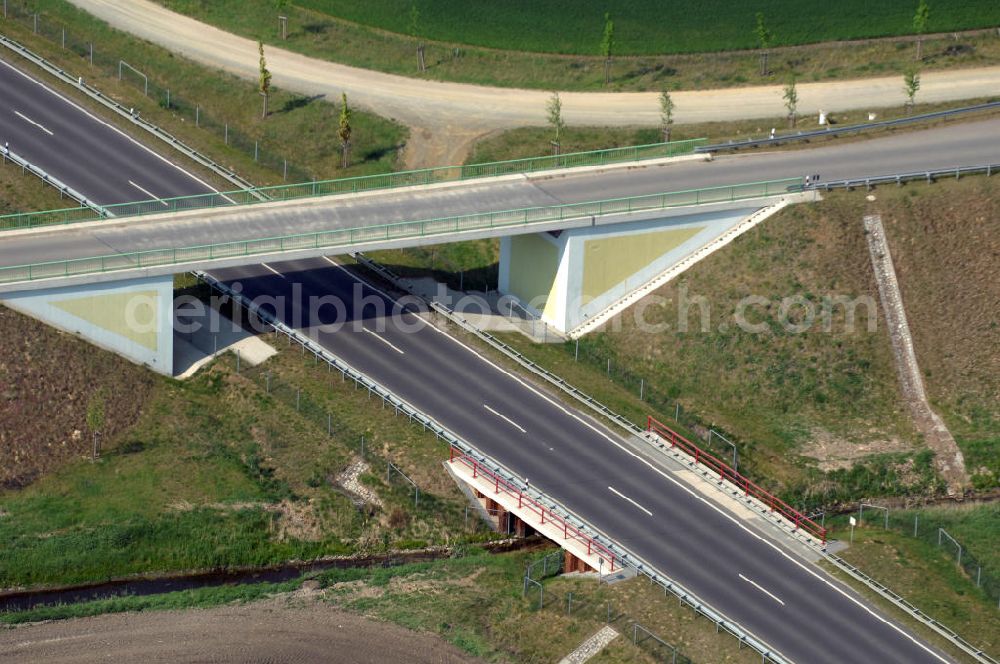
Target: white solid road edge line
pixel 816 573
pixel 761 588
pixel 27 119
pixel 113 128
pixel 622 495
pixel 151 195
pixel 507 419
pixel 384 340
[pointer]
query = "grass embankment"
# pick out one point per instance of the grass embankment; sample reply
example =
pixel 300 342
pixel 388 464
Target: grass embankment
pixel 213 472
pixel 928 576
pixel 526 40
pixel 299 129
pixel 945 243
pixel 816 414
pixel 23 192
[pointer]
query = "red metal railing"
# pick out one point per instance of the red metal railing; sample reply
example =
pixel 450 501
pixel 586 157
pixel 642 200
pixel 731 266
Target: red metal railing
pixel 525 501
pixel 728 474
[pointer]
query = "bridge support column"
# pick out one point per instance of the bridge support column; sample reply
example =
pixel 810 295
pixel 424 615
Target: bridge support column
pixel 133 317
pixel 569 278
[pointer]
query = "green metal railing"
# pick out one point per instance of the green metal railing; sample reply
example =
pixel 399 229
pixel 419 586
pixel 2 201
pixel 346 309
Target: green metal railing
pixel 424 176
pixel 351 237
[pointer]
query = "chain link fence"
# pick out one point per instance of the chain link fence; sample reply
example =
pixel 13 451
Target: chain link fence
pixel 933 532
pixel 381 462
pixel 74 39
pixel 591 605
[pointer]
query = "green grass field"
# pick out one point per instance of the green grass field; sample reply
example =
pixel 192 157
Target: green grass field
pixel 645 27
pixel 683 55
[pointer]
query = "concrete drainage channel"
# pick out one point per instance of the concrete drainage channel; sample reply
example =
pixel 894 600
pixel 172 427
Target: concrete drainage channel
pixel 730 493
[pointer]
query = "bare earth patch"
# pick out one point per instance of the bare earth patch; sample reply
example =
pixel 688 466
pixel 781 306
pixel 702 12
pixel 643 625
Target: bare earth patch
pixel 48 379
pixel 286 628
pixel 835 453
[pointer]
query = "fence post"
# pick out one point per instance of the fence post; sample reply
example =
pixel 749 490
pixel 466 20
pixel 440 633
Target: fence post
pixel 916 518
pixel 255 150
pixel 226 133
pixel 91 54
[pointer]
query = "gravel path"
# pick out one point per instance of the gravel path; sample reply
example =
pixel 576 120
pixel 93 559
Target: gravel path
pixel 445 118
pixel 297 629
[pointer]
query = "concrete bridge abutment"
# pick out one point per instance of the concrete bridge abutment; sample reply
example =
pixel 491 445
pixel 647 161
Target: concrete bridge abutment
pixel 131 317
pixel 576 278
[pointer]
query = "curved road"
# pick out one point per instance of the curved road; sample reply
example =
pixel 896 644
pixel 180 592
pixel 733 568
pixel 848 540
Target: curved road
pixel 456 113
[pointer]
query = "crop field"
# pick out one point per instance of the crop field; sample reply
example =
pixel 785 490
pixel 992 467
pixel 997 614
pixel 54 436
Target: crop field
pixel 645 27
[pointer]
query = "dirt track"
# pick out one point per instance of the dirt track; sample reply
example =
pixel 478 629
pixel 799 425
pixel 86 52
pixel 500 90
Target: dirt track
pixel 446 118
pixel 276 630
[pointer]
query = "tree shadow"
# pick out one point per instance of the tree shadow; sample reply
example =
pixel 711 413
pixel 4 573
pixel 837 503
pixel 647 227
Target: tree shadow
pixel 297 103
pixel 316 28
pixel 378 153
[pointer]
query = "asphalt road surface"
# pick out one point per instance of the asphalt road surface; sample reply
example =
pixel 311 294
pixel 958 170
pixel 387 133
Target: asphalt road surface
pixel 787 603
pixel 783 600
pixel 966 144
pixel 83 151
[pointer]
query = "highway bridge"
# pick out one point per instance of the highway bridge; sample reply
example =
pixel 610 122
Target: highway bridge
pixel 786 602
pixel 374 217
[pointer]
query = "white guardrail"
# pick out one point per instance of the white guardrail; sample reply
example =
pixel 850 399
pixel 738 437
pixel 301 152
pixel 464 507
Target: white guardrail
pixel 630 427
pixel 6 154
pixel 635 563
pixel 98 96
